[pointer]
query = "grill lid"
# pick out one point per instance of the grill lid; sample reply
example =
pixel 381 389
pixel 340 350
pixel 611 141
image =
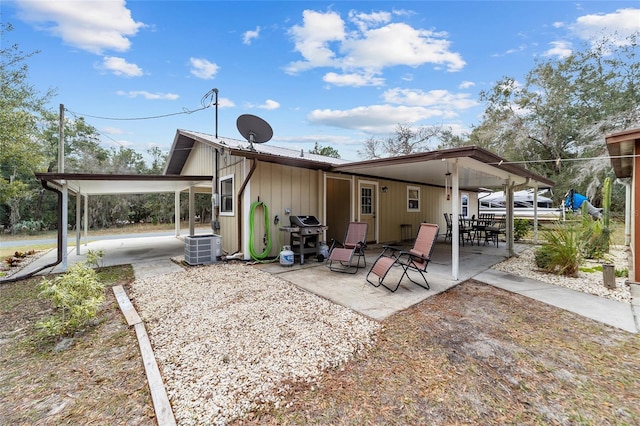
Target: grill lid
pixel 304 221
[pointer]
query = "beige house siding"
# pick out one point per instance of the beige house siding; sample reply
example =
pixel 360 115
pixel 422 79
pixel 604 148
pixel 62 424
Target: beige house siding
pixel 302 192
pixel 231 166
pixel 200 161
pixel 280 188
pixel 393 208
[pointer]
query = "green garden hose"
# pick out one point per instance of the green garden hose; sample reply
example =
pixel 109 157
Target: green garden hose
pixel 267 230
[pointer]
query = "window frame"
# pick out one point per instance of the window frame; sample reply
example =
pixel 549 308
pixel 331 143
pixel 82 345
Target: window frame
pixel 225 196
pixel 413 203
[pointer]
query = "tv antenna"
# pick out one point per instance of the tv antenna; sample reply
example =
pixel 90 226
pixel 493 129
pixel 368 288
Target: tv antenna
pixel 254 129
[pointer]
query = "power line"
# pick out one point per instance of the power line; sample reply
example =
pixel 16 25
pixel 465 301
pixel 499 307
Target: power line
pixel 185 111
pixel 560 160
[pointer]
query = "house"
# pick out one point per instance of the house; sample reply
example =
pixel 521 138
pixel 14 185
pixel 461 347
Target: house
pixel 624 148
pixel 393 195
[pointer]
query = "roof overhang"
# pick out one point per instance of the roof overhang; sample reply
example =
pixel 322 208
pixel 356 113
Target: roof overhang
pixel 621 148
pixel 477 169
pixel 105 184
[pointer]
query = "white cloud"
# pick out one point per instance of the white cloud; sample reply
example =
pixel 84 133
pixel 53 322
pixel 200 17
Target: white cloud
pixel 203 69
pixel 374 119
pixel 441 99
pixel 312 39
pixel 353 80
pixel 376 43
pixel 466 84
pixel 113 130
pixel 93 26
pixel 148 95
pixel 119 66
pixel 270 105
pixel 561 49
pixel 365 20
pixel 248 36
pixel 616 26
pixel 225 103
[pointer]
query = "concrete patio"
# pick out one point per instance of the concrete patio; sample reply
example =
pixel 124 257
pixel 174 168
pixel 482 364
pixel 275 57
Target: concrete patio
pixel 353 291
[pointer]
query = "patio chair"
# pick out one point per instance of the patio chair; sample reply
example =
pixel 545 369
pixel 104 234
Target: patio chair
pixel 416 259
pixel 341 254
pixel 449 233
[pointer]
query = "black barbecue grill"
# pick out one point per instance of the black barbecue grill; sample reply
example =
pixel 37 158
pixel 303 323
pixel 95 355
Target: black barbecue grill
pixel 303 235
pixel 309 225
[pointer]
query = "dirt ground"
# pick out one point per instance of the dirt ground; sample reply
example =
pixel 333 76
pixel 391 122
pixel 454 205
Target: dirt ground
pixel 99 379
pixel 472 355
pixel 479 355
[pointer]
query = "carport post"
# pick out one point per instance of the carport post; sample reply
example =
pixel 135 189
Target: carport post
pixel 192 208
pixel 176 213
pixel 455 231
pixel 65 224
pixel 86 219
pixel 78 220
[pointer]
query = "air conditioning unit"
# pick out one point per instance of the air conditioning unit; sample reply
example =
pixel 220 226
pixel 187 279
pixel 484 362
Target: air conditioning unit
pixel 202 249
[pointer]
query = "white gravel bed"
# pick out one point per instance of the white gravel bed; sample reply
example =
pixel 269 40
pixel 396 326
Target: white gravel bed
pixel 587 282
pixel 229 338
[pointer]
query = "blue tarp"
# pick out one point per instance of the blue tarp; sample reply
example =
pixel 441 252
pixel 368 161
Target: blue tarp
pixel 574 201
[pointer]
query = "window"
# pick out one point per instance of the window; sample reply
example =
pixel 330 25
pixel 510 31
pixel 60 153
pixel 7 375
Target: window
pixel 366 200
pixel 226 196
pixel 413 199
pixel 465 205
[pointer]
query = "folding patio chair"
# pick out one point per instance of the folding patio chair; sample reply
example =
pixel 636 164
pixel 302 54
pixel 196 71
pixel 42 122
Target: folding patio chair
pixel 416 259
pixel 449 233
pixel 355 242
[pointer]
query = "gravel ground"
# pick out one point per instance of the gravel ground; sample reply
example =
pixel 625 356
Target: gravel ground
pixel 230 339
pixel 587 282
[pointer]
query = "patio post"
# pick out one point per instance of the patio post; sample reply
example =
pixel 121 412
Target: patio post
pixel 455 231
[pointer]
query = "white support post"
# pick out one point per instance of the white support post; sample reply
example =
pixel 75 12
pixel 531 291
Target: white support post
pixel 78 220
pixel 535 216
pixel 455 219
pixel 86 219
pixel 192 208
pixel 176 213
pixel 65 225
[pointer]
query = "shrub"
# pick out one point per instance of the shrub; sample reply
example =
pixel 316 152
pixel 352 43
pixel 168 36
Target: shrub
pixel 520 228
pixel 76 296
pixel 28 226
pixel 562 252
pixel 94 258
pixel 595 237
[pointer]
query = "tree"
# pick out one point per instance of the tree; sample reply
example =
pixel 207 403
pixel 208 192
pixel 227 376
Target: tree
pixel 405 140
pixel 562 111
pixel 327 151
pixel 21 153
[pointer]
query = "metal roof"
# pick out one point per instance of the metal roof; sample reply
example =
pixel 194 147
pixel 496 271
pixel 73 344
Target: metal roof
pixel 477 167
pixel 104 184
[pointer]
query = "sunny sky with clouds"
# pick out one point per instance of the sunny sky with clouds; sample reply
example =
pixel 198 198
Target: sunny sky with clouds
pixel 335 73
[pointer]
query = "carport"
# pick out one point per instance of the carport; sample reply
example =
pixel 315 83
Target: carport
pixel 471 168
pixel 86 185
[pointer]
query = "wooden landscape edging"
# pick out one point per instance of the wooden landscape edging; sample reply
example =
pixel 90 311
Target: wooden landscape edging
pixel 161 404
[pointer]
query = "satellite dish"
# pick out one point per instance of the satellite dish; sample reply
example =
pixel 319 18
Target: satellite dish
pixel 254 129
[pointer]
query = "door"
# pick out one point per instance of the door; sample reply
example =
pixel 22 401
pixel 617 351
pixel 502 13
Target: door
pixel 338 210
pixel 368 205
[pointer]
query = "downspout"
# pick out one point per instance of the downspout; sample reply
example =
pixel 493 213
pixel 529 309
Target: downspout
pixel 45 185
pixel 240 192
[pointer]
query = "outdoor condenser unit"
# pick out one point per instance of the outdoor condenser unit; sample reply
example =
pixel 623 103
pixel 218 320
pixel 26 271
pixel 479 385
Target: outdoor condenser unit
pixel 202 249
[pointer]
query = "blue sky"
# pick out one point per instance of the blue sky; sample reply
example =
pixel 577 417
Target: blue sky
pixel 335 73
